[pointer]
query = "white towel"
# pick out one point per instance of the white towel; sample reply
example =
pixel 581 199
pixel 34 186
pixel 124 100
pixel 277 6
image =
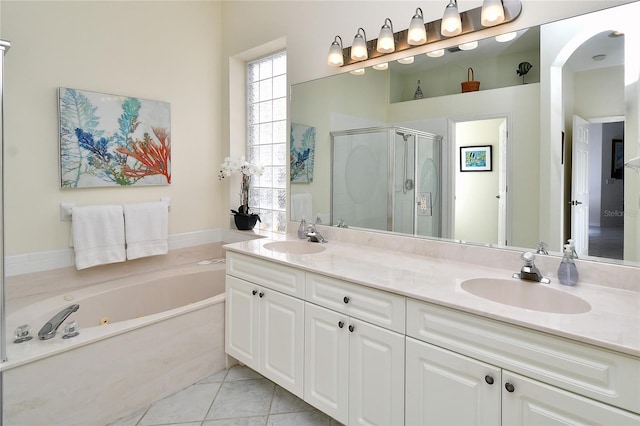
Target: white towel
pixel 97 233
pixel 147 229
pixel 301 206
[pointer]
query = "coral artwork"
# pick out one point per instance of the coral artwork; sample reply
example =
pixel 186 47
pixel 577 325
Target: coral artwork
pixel 109 140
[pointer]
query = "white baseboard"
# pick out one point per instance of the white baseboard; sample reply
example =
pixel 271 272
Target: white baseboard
pixel 54 259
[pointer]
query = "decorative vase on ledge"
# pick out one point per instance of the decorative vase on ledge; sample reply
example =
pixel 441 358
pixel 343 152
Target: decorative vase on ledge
pixel 245 222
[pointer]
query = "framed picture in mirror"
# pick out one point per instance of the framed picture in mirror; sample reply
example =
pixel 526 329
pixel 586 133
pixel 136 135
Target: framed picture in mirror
pixel 475 158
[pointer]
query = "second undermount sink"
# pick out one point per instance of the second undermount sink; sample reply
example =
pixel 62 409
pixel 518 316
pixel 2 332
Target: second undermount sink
pixel 527 295
pixel 295 247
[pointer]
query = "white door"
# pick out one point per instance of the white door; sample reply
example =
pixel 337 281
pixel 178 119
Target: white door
pixel 448 388
pixel 282 339
pixel 326 377
pixel 502 184
pixel 580 185
pixel 376 375
pixel 242 322
pixel 528 402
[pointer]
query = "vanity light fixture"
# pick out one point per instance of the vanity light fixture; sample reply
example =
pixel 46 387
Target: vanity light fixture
pixel 359 71
pixel 417 34
pixel 451 22
pixel 492 13
pixel 359 46
pixel 335 58
pixel 386 43
pixel 406 61
pixel 503 38
pixel 436 53
pixel 381 67
pixel 468 46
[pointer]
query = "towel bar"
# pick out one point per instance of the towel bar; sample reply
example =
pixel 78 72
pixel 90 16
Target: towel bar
pixel 67 208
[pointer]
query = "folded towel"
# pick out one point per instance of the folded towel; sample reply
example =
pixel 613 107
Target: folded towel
pixel 301 207
pixel 147 229
pixel 97 233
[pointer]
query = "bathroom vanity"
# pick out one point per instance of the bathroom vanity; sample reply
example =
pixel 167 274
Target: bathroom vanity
pixel 380 336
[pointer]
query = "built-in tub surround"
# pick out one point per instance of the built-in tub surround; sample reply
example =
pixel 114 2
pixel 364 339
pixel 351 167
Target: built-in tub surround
pixel 165 331
pixel 434 271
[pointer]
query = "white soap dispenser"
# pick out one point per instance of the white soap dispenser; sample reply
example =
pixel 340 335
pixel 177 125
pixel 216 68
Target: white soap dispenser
pixel 567 271
pixel 302 229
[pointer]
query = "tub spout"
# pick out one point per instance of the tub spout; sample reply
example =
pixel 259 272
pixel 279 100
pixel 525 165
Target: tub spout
pixel 49 329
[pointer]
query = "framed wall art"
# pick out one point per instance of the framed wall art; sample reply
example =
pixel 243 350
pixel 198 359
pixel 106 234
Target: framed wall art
pixel 617 158
pixel 475 158
pixel 302 153
pixel 112 140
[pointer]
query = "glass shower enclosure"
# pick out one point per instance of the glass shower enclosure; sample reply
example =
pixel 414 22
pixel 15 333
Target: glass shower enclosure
pixel 388 179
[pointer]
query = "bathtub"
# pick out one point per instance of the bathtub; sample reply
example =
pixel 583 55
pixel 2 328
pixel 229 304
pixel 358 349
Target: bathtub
pixel 141 338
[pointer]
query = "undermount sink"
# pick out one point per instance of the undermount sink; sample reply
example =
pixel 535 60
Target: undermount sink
pixel 295 247
pixel 527 295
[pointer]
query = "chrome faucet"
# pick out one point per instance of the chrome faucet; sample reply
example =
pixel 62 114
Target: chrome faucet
pixel 542 248
pixel 314 235
pixel 49 329
pixel 530 271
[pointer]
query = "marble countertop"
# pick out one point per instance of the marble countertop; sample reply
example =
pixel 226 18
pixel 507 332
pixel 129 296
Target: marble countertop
pixel 613 322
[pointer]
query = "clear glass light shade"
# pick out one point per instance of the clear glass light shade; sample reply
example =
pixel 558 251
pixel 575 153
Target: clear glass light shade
pixel 451 24
pixel 417 34
pixel 386 43
pixel 359 47
pixel 436 53
pixel 335 58
pixel 492 13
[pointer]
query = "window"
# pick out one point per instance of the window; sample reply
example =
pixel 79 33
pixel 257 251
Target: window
pixel 267 139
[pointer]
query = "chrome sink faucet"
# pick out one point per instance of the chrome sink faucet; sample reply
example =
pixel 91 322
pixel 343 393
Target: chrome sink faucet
pixel 314 235
pixel 530 271
pixel 49 329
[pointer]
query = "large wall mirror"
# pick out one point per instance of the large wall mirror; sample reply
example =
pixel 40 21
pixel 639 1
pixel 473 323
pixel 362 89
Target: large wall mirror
pixel 402 150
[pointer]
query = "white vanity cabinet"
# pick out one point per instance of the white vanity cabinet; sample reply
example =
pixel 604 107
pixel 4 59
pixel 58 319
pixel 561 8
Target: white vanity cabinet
pixel 265 326
pixel 354 369
pixel 460 362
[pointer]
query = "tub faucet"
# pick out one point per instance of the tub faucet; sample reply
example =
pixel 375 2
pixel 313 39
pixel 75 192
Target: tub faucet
pixel 49 329
pixel 314 235
pixel 530 271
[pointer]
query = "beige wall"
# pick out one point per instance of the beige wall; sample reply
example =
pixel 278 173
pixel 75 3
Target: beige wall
pixel 167 51
pixel 174 51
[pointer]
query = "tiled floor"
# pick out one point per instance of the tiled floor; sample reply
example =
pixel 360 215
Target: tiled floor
pixel 238 396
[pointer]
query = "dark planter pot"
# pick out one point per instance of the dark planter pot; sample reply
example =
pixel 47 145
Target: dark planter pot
pixel 245 222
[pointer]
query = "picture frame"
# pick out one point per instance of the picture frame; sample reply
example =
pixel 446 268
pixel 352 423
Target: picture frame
pixel 617 159
pixel 476 158
pixel 302 153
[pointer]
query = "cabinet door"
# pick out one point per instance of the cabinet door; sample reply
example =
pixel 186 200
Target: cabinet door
pixel 282 339
pixel 528 402
pixel 376 375
pixel 447 388
pixel 326 378
pixel 241 316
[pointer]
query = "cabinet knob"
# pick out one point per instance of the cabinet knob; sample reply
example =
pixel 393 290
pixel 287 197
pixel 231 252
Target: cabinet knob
pixel 351 328
pixel 346 299
pixel 340 324
pixel 261 294
pixel 488 379
pixel 509 387
pixel 254 292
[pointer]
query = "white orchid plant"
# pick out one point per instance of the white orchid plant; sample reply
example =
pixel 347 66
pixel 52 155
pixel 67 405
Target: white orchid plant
pixel 233 165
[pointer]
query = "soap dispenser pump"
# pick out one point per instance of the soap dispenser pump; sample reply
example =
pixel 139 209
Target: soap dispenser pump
pixel 302 229
pixel 567 271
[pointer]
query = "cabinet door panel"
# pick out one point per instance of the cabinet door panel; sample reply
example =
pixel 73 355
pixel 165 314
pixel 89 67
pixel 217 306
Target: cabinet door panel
pixel 282 340
pixel 535 403
pixel 446 388
pixel 241 315
pixel 326 379
pixel 376 375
